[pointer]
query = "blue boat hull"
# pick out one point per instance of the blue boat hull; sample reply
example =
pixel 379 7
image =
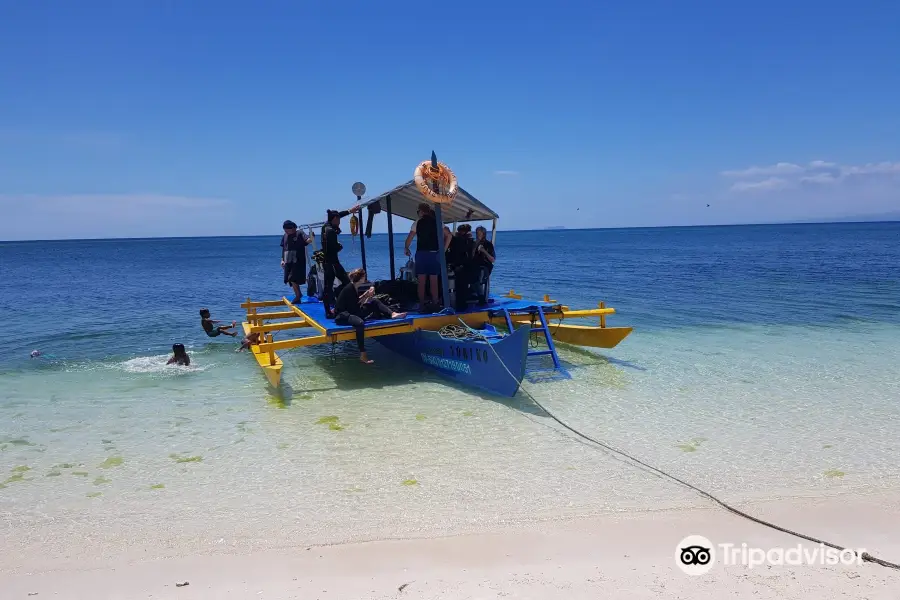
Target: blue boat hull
pixel 469 362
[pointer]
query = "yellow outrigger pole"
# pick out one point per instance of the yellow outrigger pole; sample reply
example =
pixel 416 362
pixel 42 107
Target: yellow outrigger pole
pixel 265 352
pixel 266 323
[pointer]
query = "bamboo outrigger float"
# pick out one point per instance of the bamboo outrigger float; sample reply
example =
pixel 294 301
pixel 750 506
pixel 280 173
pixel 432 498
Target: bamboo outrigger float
pixel 484 356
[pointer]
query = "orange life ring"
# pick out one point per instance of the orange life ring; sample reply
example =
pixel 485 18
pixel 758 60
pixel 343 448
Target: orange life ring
pixel 426 176
pixel 354 225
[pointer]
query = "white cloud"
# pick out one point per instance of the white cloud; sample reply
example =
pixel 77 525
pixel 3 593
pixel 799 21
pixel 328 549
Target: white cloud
pixel 772 183
pixel 506 173
pixel 781 168
pixel 872 169
pixel 820 178
pixel 815 173
pixel 110 215
pixel 822 164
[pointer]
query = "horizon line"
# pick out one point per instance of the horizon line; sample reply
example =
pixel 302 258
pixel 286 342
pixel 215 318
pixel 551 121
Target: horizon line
pixel 549 228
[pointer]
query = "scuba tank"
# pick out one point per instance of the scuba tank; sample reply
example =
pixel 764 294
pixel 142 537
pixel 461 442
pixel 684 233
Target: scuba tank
pixel 354 225
pixel 408 272
pixel 311 280
pixel 316 281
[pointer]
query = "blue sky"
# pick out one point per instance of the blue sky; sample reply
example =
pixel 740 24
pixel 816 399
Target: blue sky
pixel 202 118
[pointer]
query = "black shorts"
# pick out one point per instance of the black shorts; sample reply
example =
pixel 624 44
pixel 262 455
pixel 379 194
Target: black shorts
pixel 294 273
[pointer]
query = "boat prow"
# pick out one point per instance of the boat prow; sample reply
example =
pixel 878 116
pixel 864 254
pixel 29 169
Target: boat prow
pixel 271 365
pixel 591 337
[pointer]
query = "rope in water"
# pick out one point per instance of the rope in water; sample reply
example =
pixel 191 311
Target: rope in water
pixel 865 555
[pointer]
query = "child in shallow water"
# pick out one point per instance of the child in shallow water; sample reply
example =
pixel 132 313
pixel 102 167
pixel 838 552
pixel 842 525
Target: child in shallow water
pixel 248 341
pixel 210 327
pixel 179 356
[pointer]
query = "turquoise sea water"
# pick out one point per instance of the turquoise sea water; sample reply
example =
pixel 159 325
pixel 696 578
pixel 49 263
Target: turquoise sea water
pixel 764 363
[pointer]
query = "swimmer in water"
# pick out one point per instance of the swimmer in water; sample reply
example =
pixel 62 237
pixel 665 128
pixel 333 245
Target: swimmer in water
pixel 180 357
pixel 35 354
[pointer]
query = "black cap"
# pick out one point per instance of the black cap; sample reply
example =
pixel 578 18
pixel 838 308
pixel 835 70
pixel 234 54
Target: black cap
pixel 289 225
pixel 332 214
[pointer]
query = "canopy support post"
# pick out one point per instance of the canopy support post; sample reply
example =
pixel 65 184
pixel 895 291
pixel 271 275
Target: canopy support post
pixel 362 237
pixel 442 256
pixel 494 232
pixel 390 233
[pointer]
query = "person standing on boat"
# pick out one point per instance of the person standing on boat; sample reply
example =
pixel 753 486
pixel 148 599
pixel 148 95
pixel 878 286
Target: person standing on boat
pixel 293 257
pixel 483 258
pixel 427 261
pixel 459 261
pixel 332 263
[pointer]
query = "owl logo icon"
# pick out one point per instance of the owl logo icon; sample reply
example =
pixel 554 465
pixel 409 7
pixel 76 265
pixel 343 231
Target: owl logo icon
pixel 695 555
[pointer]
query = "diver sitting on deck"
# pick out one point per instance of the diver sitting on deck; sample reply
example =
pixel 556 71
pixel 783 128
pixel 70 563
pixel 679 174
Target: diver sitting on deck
pixel 353 309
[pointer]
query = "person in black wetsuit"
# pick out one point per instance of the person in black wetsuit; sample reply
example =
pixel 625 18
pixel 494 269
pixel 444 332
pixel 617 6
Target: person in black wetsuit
pixel 353 309
pixel 332 263
pixel 293 257
pixel 483 257
pixel 459 261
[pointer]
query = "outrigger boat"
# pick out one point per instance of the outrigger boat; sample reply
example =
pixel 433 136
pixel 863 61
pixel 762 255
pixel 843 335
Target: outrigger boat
pixel 464 346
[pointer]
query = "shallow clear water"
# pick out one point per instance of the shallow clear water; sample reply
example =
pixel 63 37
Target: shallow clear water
pixel 764 363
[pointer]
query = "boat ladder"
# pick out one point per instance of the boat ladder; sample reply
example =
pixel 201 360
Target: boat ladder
pixel 551 347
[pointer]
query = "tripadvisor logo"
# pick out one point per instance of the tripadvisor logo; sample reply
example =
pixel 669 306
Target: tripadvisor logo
pixel 696 555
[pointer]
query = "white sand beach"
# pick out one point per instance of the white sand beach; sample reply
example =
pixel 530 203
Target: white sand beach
pixel 629 555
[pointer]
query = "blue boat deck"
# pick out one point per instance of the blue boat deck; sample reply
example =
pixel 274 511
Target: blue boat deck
pixel 315 310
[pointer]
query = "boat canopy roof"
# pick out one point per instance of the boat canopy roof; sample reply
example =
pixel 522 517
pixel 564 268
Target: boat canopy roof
pixel 405 200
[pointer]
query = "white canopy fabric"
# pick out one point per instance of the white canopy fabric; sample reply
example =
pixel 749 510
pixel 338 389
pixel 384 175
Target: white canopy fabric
pixel 405 200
